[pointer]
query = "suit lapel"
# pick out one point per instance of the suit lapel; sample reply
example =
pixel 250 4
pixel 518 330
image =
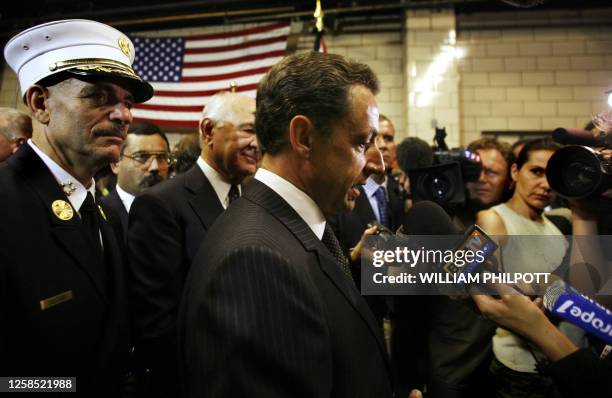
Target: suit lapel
pixel 395 203
pixel 112 253
pixel 363 207
pixel 278 207
pixel 205 202
pixel 69 233
pixel 120 209
pixel 350 292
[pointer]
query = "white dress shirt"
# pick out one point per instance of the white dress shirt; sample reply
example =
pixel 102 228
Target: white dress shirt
pixel 126 198
pixel 297 199
pixel 220 186
pixel 370 188
pixel 62 177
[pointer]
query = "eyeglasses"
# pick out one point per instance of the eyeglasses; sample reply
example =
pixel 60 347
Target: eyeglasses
pixel 146 158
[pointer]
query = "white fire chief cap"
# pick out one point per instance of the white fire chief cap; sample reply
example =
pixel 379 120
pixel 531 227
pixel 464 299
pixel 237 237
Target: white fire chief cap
pixel 55 51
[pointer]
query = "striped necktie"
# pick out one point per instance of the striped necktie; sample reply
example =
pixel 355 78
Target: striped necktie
pixel 331 242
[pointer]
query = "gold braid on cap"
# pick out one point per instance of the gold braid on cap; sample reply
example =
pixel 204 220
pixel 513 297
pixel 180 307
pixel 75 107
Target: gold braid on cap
pixel 97 64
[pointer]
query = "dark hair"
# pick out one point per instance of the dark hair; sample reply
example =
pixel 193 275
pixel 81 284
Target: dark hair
pixel 186 152
pixel 590 126
pixel 383 118
pixel 537 144
pixel 414 153
pixel 144 128
pixel 312 84
pixel 522 141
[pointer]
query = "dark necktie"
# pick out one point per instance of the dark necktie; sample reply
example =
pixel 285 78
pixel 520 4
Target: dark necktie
pixel 331 242
pixel 383 209
pixel 89 217
pixel 234 193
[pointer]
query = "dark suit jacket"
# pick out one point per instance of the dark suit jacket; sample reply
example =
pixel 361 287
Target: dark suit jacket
pixel 167 223
pixel 267 312
pixel 42 256
pixel 349 228
pixel 119 214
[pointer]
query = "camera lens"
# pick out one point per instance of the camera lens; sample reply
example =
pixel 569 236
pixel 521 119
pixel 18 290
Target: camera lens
pixel 579 177
pixel 575 172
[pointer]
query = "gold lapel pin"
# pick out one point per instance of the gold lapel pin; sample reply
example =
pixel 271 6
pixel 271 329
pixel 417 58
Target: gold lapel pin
pixel 102 212
pixel 62 210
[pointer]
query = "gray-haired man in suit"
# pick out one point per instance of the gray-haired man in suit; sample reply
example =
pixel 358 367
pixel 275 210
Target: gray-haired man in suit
pixel 167 225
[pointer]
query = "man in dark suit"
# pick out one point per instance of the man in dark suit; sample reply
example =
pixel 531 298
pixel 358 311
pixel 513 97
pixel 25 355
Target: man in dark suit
pixel 63 307
pixel 144 162
pixel 270 308
pixel 167 224
pixel 15 130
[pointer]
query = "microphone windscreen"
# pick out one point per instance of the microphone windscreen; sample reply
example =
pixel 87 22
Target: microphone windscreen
pixel 575 136
pixel 414 153
pixel 567 303
pixel 428 218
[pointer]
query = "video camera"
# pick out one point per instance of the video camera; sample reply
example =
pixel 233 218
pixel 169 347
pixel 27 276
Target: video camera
pixel 444 182
pixel 579 171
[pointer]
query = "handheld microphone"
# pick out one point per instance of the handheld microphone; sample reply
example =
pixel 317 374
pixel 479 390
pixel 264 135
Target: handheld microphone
pixel 577 137
pixel 428 218
pixel 566 302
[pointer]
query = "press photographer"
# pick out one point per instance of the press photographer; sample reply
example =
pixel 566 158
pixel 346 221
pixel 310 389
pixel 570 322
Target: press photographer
pixel 581 173
pixel 463 182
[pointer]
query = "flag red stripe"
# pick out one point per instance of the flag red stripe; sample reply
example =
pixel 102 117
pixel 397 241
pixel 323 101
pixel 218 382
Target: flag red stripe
pixel 239 46
pixel 171 108
pixel 253 57
pixel 241 62
pixel 203 93
pixel 225 76
pixel 170 123
pixel 259 29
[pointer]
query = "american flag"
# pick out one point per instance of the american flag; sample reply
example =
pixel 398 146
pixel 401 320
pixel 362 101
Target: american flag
pixel 186 71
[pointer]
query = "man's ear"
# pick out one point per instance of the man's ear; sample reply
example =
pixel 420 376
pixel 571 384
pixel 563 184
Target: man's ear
pixel 301 134
pixel 206 131
pixel 115 168
pixel 36 99
pixel 514 172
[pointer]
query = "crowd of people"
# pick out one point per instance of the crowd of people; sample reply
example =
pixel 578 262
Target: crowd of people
pixel 231 265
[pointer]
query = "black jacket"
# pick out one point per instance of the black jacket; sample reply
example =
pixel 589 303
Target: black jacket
pixel 85 334
pixel 167 223
pixel 267 312
pixel 119 215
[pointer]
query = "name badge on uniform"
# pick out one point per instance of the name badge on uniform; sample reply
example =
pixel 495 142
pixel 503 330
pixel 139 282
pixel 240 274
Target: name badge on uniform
pixel 55 300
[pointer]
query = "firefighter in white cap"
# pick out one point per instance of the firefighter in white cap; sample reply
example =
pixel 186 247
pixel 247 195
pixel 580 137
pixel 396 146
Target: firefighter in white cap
pixel 63 309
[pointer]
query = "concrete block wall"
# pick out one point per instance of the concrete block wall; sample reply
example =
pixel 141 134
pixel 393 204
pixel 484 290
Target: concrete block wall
pixel 532 79
pixel 431 74
pixel 384 53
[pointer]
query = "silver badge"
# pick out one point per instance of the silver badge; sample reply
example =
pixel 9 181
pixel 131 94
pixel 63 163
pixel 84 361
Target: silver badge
pixel 69 188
